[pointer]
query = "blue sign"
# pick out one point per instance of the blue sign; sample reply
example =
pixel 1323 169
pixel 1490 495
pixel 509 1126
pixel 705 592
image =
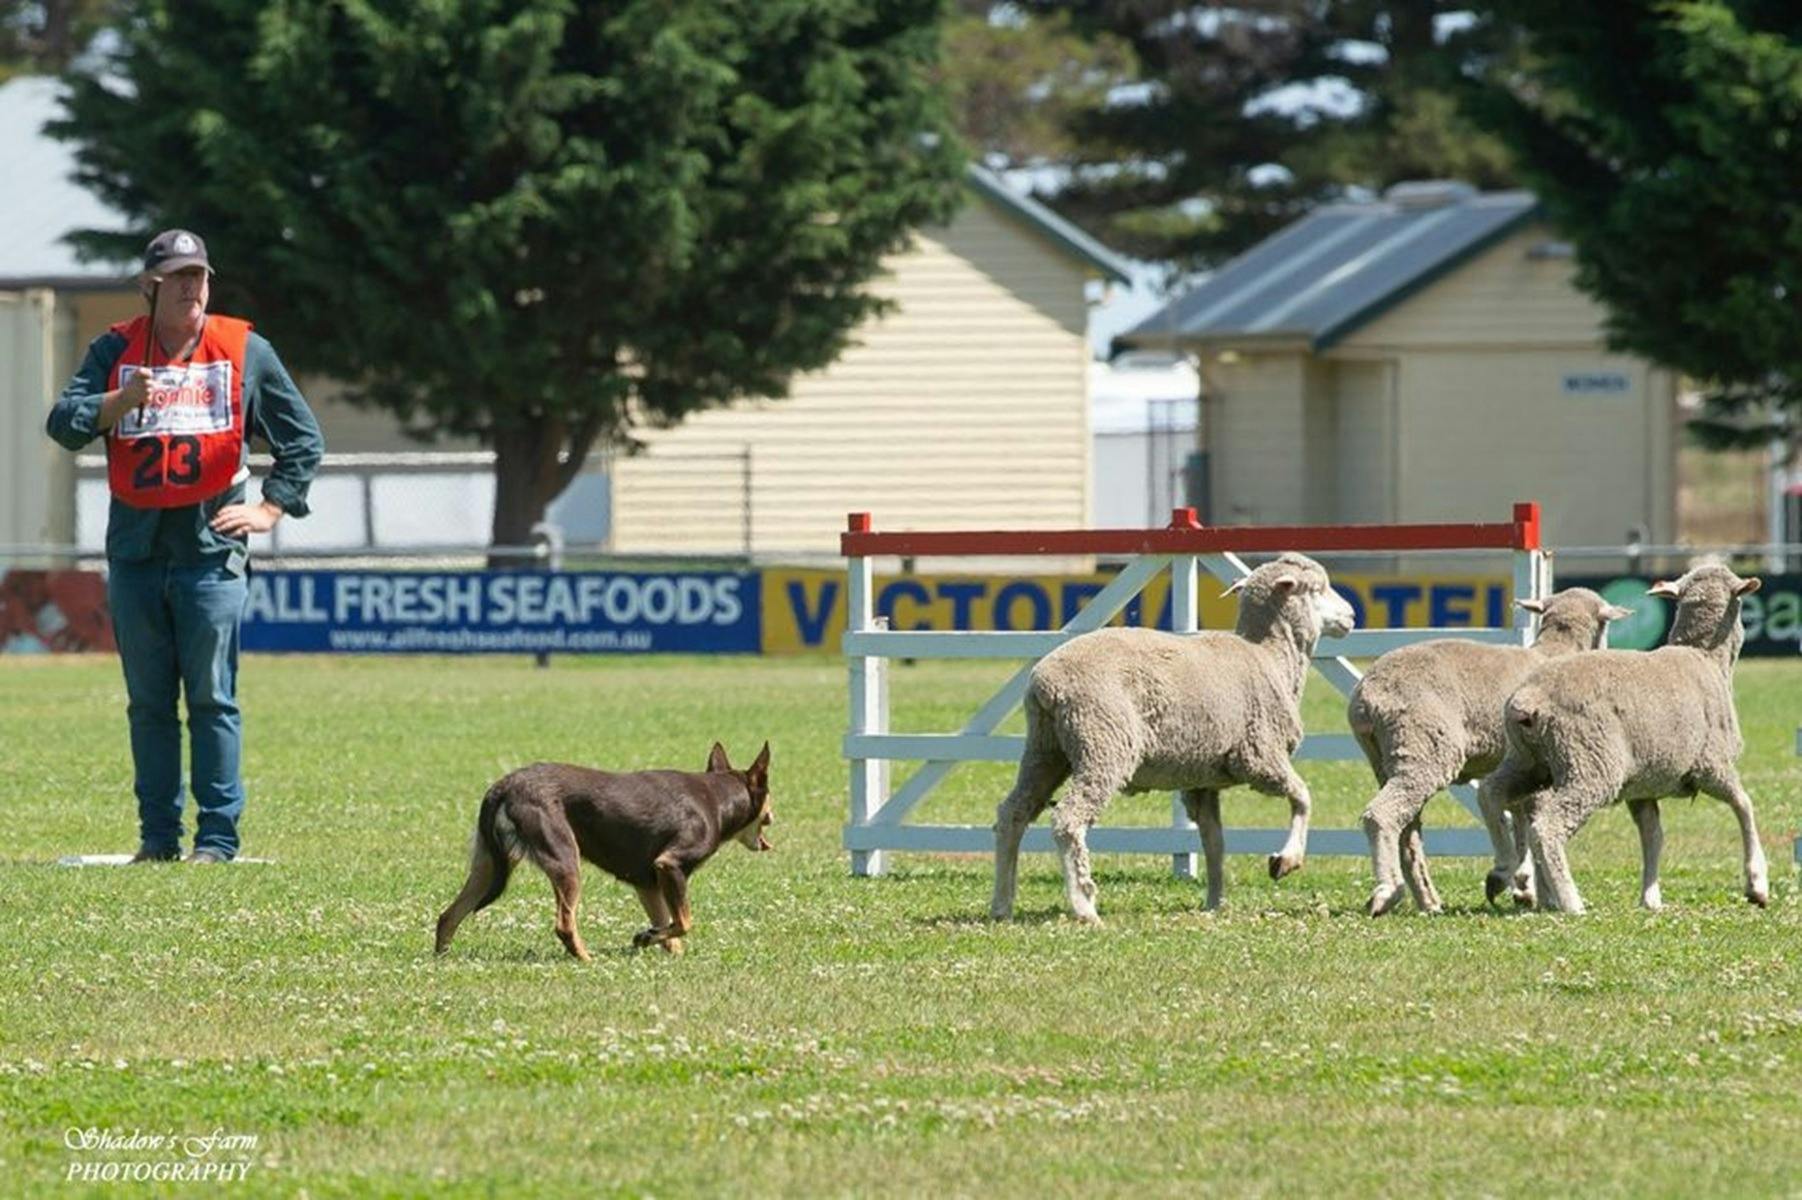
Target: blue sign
pixel 510 612
pixel 1597 383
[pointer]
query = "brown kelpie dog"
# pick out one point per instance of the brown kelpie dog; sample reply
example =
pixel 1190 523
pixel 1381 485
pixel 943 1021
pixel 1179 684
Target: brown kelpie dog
pixel 652 829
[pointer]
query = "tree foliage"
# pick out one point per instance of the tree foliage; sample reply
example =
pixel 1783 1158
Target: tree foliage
pixel 536 222
pixel 44 37
pixel 1016 82
pixel 1246 116
pixel 1665 138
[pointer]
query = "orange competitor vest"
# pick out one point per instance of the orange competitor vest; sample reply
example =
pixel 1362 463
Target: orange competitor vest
pixel 187 443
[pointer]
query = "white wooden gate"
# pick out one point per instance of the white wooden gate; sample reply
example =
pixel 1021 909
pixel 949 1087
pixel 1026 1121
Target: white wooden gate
pixel 1184 548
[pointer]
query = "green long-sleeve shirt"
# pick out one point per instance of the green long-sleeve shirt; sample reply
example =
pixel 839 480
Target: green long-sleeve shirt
pixel 274 410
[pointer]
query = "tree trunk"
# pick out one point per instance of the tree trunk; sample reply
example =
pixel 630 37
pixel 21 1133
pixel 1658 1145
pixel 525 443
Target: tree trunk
pixel 533 463
pixel 59 34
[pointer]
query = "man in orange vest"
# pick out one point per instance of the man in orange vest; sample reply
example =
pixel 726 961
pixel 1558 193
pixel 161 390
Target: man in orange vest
pixel 177 395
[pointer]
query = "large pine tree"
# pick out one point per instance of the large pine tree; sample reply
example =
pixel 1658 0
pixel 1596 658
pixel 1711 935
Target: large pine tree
pixel 1245 116
pixel 532 221
pixel 1015 82
pixel 1665 139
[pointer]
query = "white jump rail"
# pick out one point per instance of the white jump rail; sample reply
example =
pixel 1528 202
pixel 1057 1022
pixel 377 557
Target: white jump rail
pixel 876 816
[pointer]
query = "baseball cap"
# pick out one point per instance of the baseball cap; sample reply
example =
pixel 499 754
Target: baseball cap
pixel 173 249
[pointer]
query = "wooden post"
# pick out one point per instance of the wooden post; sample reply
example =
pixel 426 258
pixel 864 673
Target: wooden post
pixel 1532 570
pixel 1185 617
pixel 867 715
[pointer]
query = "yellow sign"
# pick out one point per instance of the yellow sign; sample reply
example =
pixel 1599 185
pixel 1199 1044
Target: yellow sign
pixel 805 610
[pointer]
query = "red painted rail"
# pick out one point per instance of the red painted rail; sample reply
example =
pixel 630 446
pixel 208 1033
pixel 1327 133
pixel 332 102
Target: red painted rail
pixel 1186 536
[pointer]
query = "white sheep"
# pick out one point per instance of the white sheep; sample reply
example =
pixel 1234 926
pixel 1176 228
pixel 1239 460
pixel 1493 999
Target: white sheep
pixel 1591 729
pixel 1430 715
pixel 1139 710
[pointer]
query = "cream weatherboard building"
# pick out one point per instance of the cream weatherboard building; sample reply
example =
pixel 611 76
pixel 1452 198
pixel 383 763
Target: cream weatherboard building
pixel 51 306
pixel 1422 358
pixel 965 407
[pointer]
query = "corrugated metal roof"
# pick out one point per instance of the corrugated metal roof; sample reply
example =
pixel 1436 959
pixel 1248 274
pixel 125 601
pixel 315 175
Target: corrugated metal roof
pixel 42 202
pixel 1338 268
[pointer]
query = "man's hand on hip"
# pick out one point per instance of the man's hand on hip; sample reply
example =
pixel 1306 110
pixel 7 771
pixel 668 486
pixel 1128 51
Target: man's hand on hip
pixel 237 520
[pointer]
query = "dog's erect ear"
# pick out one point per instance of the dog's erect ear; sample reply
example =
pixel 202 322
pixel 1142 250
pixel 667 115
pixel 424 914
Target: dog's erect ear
pixel 716 759
pixel 761 764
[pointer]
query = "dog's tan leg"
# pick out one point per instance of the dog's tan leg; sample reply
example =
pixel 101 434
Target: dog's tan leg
pixel 481 874
pixel 658 912
pixel 682 924
pixel 672 881
pixel 567 883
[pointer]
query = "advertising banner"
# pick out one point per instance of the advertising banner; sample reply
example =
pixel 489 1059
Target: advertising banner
pixel 805 610
pixel 1771 616
pixel 510 612
pixel 772 611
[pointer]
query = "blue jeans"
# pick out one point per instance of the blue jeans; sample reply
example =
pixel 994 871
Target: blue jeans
pixel 177 630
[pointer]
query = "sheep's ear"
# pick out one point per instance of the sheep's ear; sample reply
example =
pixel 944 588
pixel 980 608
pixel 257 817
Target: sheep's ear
pixel 1235 585
pixel 1663 587
pixel 716 759
pixel 1532 606
pixel 1747 587
pixel 1614 612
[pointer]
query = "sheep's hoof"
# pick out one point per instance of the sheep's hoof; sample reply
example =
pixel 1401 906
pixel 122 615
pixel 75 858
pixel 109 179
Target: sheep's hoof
pixel 1001 914
pixel 1382 901
pixel 1494 884
pixel 1089 919
pixel 1281 866
pixel 1762 899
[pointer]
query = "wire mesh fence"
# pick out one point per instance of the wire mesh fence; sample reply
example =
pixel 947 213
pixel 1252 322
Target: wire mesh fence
pixel 437 507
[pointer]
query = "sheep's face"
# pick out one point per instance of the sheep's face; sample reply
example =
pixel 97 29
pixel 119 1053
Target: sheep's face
pixel 1708 605
pixel 1576 615
pixel 1334 613
pixel 1292 590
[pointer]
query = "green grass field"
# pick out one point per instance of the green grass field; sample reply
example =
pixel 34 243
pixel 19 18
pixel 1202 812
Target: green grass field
pixel 834 1036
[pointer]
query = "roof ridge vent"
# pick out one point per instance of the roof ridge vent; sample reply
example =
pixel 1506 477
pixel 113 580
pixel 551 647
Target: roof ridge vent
pixel 1429 193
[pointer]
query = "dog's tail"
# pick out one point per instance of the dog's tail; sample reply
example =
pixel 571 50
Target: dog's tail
pixel 496 838
pixel 491 856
